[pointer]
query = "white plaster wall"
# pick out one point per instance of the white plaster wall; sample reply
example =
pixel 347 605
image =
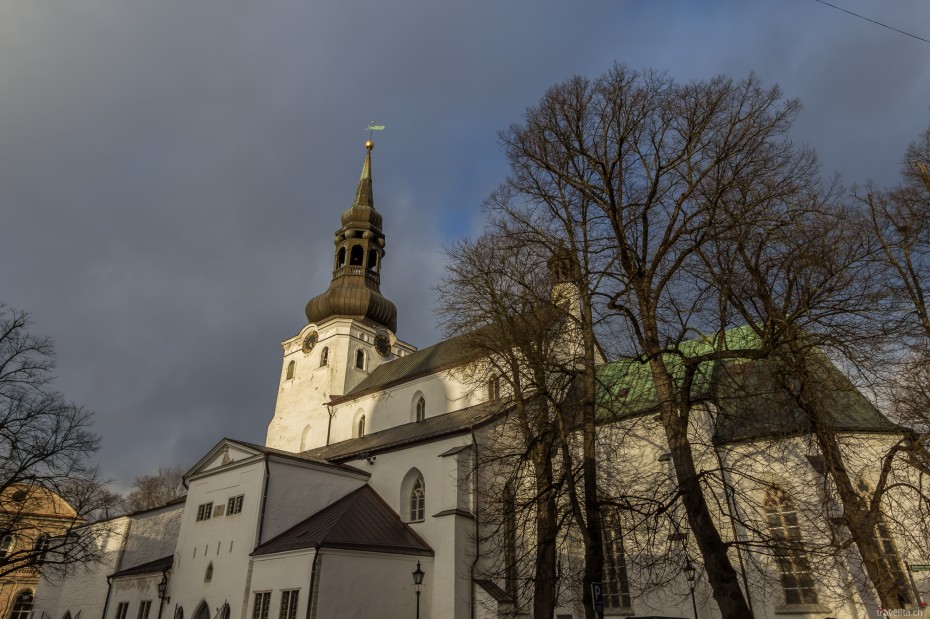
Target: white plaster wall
pixel 355 585
pixel 152 535
pixel 448 535
pixel 225 540
pixel 301 400
pixel 296 492
pixel 134 590
pixel 83 590
pixel 281 572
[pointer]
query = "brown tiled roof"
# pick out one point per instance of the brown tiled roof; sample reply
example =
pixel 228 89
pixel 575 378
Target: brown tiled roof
pixel 359 521
pixel 158 565
pixel 430 428
pixel 445 355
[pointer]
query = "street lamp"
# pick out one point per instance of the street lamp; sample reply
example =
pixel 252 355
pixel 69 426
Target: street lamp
pixel 690 574
pixel 418 582
pixel 163 587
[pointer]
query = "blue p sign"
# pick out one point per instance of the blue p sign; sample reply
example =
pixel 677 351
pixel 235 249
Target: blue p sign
pixel 597 596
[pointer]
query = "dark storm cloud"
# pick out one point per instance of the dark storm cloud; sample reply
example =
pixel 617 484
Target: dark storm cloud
pixel 171 172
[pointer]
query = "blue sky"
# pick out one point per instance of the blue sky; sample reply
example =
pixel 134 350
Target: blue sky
pixel 172 172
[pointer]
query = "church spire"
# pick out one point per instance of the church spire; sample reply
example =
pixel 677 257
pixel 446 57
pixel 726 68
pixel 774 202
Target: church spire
pixel 364 195
pixel 354 291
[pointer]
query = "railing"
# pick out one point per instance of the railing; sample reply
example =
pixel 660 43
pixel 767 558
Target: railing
pixel 357 270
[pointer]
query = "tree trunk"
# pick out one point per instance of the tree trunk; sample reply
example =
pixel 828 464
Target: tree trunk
pixel 544 587
pixel 721 575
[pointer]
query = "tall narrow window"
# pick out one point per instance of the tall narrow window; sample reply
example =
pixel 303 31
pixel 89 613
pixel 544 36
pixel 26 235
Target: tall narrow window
pixel 341 258
pixel 494 388
pixel 788 545
pixel 22 605
pixel 616 579
pixel 145 606
pixel 889 551
pixel 121 609
pixel 6 545
pixel 40 548
pixel 421 409
pixel 290 370
pixel 262 602
pixel 418 500
pixel 288 605
pixel 360 359
pixel 356 256
pixel 324 356
pixel 208 574
pixel 305 438
pixel 372 260
pixel 361 426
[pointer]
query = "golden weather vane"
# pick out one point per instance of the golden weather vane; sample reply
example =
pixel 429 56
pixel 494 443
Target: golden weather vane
pixel 372 127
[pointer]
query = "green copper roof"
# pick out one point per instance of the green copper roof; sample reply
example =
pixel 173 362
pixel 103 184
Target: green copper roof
pixel 749 401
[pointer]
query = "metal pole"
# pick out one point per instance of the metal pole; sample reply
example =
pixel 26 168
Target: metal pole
pixel 418 605
pixel 693 603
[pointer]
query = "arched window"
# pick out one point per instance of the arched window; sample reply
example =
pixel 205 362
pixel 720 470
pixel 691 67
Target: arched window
pixel 324 356
pixel 788 545
pixel 290 370
pixel 22 605
pixel 886 545
pixel 305 439
pixel 179 613
pixel 224 612
pixel 356 256
pixel 341 258
pixel 418 500
pixel 421 409
pixel 203 611
pixel 67 615
pixel 6 545
pixel 208 575
pixel 361 426
pixel 372 260
pixel 360 359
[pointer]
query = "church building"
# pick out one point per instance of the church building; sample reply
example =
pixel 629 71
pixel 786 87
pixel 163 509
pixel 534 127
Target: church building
pixel 365 484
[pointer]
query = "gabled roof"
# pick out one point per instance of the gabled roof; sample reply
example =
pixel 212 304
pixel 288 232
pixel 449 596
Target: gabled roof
pixel 442 356
pixel 360 520
pixel 257 449
pixel 158 565
pixel 430 428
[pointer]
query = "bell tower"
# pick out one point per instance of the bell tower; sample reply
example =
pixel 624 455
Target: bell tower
pixel 350 330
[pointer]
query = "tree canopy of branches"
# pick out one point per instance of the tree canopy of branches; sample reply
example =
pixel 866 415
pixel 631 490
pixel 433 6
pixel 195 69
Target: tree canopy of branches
pixel 156 490
pixel 45 445
pixel 680 211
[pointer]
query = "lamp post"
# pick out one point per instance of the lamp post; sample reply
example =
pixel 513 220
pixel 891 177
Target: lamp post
pixel 163 587
pixel 690 574
pixel 418 582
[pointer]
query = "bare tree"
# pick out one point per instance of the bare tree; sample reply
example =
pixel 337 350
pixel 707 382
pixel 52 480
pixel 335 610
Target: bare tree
pixel 48 487
pixel 156 490
pixel 630 172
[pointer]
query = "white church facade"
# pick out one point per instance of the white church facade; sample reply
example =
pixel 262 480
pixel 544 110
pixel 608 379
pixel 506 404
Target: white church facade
pixel 367 474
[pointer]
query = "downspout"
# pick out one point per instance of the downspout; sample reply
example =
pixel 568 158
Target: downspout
pixel 313 570
pixel 261 514
pixel 106 602
pixel 474 562
pixel 329 423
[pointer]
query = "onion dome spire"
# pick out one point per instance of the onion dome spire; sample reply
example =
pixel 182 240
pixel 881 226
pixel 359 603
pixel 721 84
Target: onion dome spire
pixel 354 291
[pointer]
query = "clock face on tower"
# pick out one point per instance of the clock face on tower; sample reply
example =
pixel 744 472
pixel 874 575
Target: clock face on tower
pixel 310 341
pixel 382 345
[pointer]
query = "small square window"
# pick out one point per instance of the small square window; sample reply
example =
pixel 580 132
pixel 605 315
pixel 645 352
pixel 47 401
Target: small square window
pixel 204 511
pixel 234 505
